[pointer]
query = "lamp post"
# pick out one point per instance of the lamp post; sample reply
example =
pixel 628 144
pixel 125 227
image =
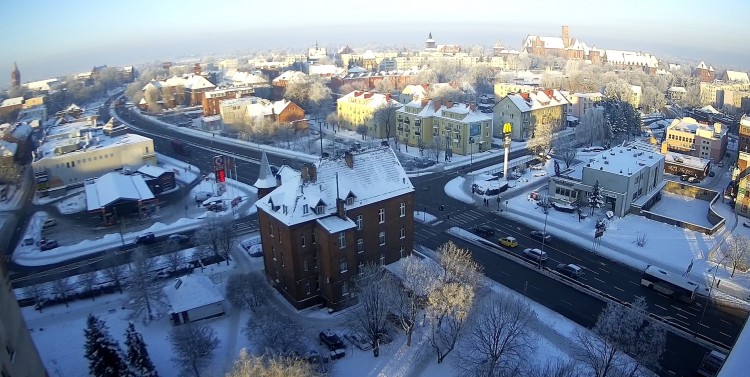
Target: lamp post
pixel 544 234
pixel 710 289
pixel 507 128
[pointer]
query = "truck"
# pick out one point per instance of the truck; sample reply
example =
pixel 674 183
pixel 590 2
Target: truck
pixel 180 148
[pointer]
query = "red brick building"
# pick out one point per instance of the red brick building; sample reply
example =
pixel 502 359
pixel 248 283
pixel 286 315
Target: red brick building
pixel 322 224
pixel 705 73
pixel 211 99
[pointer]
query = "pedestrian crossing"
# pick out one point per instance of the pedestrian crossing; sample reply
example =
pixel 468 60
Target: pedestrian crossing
pixel 467 217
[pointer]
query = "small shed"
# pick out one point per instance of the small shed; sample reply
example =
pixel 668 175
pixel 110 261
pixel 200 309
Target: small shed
pixel 680 164
pixel 157 179
pixel 192 298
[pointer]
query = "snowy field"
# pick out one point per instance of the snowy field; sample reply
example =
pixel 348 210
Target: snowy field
pixel 683 208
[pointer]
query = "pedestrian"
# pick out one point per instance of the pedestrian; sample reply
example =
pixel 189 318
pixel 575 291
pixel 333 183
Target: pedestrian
pixel 717 283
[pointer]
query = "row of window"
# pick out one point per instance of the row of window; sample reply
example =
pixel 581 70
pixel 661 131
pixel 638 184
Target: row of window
pixel 72 164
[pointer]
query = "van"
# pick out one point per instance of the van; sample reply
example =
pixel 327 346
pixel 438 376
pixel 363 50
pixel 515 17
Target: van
pixel 48 223
pixel 201 196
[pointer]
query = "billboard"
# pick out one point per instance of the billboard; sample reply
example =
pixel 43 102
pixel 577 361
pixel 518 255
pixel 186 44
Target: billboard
pixel 475 129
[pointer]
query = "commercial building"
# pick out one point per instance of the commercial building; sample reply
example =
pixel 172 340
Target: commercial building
pixel 319 226
pixel 454 127
pixel 626 175
pixel 689 137
pixel 71 153
pixel 524 111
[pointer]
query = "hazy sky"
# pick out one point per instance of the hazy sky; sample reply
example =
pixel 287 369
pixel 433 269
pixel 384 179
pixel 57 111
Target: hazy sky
pixel 50 37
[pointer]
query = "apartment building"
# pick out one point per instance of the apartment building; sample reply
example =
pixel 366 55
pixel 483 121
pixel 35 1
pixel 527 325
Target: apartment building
pixel 689 137
pixel 502 89
pixel 213 98
pixel 524 111
pixel 582 103
pixel 742 178
pixel 454 127
pixel 319 226
pixel 248 111
pixel 714 93
pixel 358 109
pixel 744 133
pixel 71 153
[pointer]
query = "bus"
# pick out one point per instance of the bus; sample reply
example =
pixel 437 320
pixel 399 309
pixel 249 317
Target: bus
pixel 669 284
pixel 711 364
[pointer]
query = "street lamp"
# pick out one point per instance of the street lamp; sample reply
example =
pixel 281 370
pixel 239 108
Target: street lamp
pixel 710 289
pixel 507 128
pixel 544 234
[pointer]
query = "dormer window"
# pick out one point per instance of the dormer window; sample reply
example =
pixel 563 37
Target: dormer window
pixel 320 209
pixel 350 200
pixel 305 209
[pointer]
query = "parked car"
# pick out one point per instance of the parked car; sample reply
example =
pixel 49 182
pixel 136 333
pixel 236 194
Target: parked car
pixel 570 270
pixel 252 247
pixel 330 339
pixel 693 180
pixel 145 239
pixel 746 224
pixel 202 195
pixel 48 244
pixel 711 173
pixel 484 231
pixel 535 255
pixel 684 177
pixel 178 238
pixel 48 223
pixel 358 340
pixel 541 236
pixel 721 164
pixel 508 241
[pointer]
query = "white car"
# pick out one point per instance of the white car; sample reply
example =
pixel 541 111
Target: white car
pixel 540 174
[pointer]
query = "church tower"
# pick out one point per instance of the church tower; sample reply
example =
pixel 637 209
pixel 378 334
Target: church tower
pixel 429 44
pixel 15 76
pixel 267 181
pixel 566 36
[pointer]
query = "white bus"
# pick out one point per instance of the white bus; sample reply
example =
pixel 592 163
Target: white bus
pixel 669 284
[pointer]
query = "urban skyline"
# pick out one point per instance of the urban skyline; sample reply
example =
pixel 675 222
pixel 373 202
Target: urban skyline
pixel 70 46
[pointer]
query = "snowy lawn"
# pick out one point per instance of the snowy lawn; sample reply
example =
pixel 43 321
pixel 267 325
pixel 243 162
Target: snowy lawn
pixel 424 217
pixel 73 203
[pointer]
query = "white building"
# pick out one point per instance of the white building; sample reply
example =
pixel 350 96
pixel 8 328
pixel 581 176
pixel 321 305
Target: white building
pixel 192 298
pixel 626 175
pixel 73 152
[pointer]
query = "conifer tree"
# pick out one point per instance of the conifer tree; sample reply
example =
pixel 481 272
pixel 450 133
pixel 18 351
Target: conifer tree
pixel 137 354
pixel 596 200
pixel 103 352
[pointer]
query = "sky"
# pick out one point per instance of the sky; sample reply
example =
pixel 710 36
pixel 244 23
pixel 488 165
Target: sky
pixel 49 38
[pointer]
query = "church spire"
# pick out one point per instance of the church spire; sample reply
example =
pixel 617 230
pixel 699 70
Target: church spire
pixel 266 180
pixel 15 76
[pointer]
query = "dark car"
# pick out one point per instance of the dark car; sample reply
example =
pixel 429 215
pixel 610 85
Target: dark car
pixel 484 231
pixel 535 255
pixel 570 270
pixel 330 339
pixel 541 236
pixel 178 238
pixel 48 244
pixel 145 239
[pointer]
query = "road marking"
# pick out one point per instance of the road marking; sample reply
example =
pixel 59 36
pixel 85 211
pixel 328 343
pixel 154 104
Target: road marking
pixel 660 307
pixel 600 280
pixel 532 286
pixel 683 311
pixel 634 283
pixel 727 322
pixel 566 302
pixel 504 273
pixel 706 326
pixel 681 315
pixel 725 334
pixel 618 288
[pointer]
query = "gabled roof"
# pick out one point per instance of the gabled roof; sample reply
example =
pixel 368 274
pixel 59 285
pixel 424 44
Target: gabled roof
pixel 702 65
pixel 289 75
pixel 549 42
pixel 537 100
pixel 736 76
pixel 376 175
pixel 115 186
pixel 12 102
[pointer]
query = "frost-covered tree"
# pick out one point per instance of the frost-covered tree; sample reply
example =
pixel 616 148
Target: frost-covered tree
pixel 373 289
pixel 593 128
pixel 175 259
pixel 88 281
pixel 565 150
pixel 596 200
pixel 249 365
pixel 61 287
pixel 410 294
pixel 274 333
pixel 556 368
pixel 624 341
pixel 137 354
pixel 103 353
pixel 499 339
pixel 248 290
pixel 619 90
pixel 144 291
pixel 116 274
pixel 544 135
pixel 216 235
pixel 193 346
pixel 652 100
pixel 736 250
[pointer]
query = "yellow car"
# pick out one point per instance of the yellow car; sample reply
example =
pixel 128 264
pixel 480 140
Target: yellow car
pixel 508 242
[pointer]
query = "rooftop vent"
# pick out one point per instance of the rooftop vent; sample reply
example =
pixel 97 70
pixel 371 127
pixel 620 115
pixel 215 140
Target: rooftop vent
pixel 606 162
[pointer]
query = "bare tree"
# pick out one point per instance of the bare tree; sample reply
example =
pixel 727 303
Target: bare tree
pixel 385 117
pixel 364 131
pixel 593 127
pixel 623 341
pixel 276 366
pixel 116 274
pixel 369 316
pixel 500 338
pixel 353 86
pixel 248 291
pixel 556 368
pixel 565 150
pixel 544 135
pixel 175 258
pixel 385 86
pixel 193 346
pixel 217 235
pixel 417 279
pixel 60 288
pixel 144 291
pixel 37 293
pixel 274 333
pixel 88 281
pixel 736 251
pixel 285 133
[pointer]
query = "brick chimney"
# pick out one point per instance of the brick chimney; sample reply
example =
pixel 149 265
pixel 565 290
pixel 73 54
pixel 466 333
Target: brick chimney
pixel 388 98
pixel 449 104
pixel 341 208
pixel 436 105
pixel 425 101
pixel 349 158
pixel 309 173
pixel 473 106
pixel 525 96
pixel 549 92
pixel 278 180
pixel 357 93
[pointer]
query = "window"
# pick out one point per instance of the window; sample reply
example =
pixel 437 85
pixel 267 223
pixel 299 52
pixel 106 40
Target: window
pixel 343 265
pixel 302 240
pixel 381 238
pixel 360 246
pixel 342 240
pixel 402 209
pixel 350 200
pixel 304 264
pixel 312 238
pixel 360 220
pixel 382 259
pixel 402 252
pixel 403 231
pixel 273 253
pixel 281 258
pixel 270 228
pixel 305 209
pixel 345 288
pixel 381 215
pixel 320 209
pixel 315 261
pixel 361 269
pixel 307 287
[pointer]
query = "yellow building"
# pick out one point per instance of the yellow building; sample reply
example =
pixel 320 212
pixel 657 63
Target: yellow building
pixel 503 89
pixel 714 93
pixel 457 127
pixel 358 108
pixel 524 111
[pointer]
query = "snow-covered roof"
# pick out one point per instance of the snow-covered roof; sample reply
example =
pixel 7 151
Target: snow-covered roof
pixel 636 89
pixel 151 171
pixel 590 95
pixel 709 109
pixel 325 69
pixel 84 136
pixel 288 76
pixel 22 131
pixel 8 149
pixel 537 99
pixel 736 76
pixel 737 363
pixel 190 292
pixel 622 160
pixel 677 89
pixel 357 69
pixel 373 100
pixel 549 42
pixel 631 58
pixel 15 101
pixel 114 186
pixel 685 160
pixel 701 65
pixel 334 224
pixel 245 78
pixel 692 126
pixel 416 90
pixel 195 82
pixel 266 179
pixel 375 175
pixel 368 55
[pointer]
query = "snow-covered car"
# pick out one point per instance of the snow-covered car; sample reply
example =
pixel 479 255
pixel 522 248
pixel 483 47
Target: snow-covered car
pixel 331 339
pixel 178 238
pixel 48 244
pixel 252 246
pixel 358 340
pixel 540 174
